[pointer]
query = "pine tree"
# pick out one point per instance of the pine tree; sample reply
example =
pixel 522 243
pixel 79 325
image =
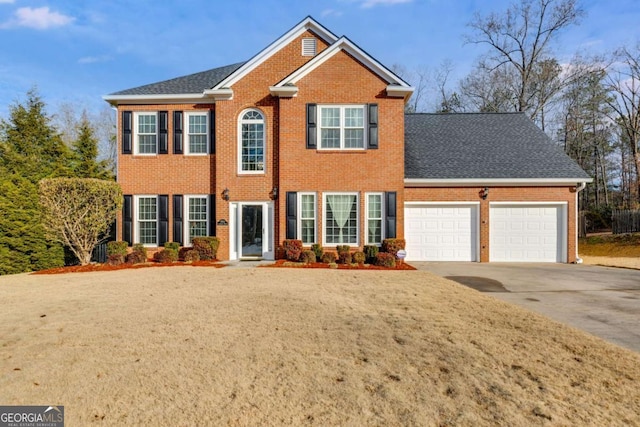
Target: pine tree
pixel 85 153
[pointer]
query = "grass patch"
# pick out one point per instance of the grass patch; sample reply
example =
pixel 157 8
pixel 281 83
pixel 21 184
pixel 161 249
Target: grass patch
pixel 611 245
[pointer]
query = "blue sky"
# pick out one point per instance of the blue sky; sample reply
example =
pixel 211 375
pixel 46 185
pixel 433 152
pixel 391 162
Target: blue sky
pixel 76 51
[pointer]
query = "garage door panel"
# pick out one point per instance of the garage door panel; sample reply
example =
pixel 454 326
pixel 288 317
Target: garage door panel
pixel 446 233
pixel 526 233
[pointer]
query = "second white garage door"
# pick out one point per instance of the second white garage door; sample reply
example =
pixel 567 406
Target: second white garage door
pixel 527 233
pixel 441 232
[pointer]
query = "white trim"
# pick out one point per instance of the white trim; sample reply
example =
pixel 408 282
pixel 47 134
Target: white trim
pixel 136 133
pixel 505 182
pixel 187 150
pixel 264 143
pixel 284 91
pixel 562 230
pixel 180 98
pixel 396 91
pixel 577 220
pixel 366 217
pixel 136 212
pixel 186 238
pixel 299 216
pixel 222 94
pixel 307 24
pixel 348 46
pixel 342 127
pixel 415 203
pixel 324 217
pixel 235 235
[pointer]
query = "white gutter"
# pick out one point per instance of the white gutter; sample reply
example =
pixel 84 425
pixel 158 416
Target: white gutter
pixel 579 187
pixel 505 182
pixel 156 99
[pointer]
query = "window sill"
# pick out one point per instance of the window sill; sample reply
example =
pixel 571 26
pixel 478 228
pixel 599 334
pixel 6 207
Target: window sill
pixel 326 151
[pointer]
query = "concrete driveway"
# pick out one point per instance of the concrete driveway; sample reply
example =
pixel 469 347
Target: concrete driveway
pixel 603 301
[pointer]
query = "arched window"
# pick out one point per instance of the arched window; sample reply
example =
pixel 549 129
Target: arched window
pixel 251 142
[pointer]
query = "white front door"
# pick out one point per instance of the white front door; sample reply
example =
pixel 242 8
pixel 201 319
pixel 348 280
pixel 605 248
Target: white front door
pixel 252 230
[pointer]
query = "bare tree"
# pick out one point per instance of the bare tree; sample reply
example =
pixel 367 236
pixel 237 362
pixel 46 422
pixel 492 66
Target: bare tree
pixel 419 79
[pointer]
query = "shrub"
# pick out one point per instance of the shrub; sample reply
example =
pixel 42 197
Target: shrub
pixel 138 256
pixel 370 252
pixel 207 247
pixel 191 256
pixel 317 249
pixel 292 249
pixel 359 257
pixel 329 257
pixel 183 251
pixel 344 257
pixel 385 259
pixel 392 246
pixel 166 256
pixel 115 259
pixel 343 249
pixel 117 248
pixel 308 256
pixel 172 245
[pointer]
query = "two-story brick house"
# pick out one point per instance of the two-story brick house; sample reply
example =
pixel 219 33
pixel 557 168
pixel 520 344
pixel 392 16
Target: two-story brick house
pixel 306 140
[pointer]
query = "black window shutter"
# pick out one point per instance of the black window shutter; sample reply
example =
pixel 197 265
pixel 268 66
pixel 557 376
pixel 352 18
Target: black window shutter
pixel 177 132
pixel 126 132
pixel 163 219
pixel 373 125
pixel 212 215
pixel 312 135
pixel 212 132
pixel 390 210
pixel 178 225
pixel 292 207
pixel 127 219
pixel 163 138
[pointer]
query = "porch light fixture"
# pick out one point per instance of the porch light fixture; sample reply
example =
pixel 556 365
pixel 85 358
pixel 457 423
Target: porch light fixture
pixel 273 195
pixel 484 193
pixel 225 194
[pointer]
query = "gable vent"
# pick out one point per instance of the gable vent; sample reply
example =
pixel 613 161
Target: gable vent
pixel 308 47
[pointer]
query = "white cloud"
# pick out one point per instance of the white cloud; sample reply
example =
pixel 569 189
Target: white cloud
pixel 7 1
pixel 372 3
pixel 40 18
pixel 94 59
pixel 330 12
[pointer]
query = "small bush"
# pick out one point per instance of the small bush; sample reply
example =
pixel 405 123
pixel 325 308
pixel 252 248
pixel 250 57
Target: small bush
pixel 392 246
pixel 115 259
pixel 329 258
pixel 370 252
pixel 385 259
pixel 207 247
pixel 117 248
pixel 183 251
pixel 292 249
pixel 343 249
pixel 308 257
pixel 317 249
pixel 344 257
pixel 138 256
pixel 191 256
pixel 172 245
pixel 359 257
pixel 166 256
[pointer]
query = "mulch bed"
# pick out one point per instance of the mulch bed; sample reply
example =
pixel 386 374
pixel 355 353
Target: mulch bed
pixel 107 267
pixel 282 263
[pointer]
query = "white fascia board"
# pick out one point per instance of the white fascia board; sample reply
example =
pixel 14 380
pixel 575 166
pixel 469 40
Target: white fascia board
pixel 284 91
pixel 396 91
pixel 348 46
pixel 306 24
pixel 197 98
pixel 223 94
pixel 504 182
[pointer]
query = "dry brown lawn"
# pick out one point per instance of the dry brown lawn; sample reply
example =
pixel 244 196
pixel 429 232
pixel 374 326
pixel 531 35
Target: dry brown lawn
pixel 191 346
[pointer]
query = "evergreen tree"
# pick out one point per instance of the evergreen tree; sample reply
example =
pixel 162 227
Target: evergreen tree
pixel 85 153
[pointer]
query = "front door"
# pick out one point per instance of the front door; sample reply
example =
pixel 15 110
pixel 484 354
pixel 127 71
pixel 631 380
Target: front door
pixel 251 231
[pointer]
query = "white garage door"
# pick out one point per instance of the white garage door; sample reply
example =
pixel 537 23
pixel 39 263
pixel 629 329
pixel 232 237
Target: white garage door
pixel 527 233
pixel 441 232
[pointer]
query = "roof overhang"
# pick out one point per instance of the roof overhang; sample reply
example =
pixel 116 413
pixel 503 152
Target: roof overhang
pixel 501 182
pixel 222 94
pixel 288 91
pixel 396 91
pixel 195 98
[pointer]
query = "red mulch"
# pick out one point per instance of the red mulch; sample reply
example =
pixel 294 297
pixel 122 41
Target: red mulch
pixel 107 267
pixel 282 263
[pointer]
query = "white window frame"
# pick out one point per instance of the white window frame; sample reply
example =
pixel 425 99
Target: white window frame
pixel 367 218
pixel 187 144
pixel 314 218
pixel 136 237
pixel 264 143
pixel 136 133
pixel 325 205
pixel 187 235
pixel 342 127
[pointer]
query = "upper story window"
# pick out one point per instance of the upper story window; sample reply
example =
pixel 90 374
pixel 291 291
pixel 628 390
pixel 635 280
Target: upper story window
pixel 341 127
pixel 197 134
pixel 251 143
pixel 146 135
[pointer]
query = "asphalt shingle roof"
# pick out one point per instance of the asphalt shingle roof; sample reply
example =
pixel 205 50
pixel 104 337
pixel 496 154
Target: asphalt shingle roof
pixel 193 83
pixel 490 146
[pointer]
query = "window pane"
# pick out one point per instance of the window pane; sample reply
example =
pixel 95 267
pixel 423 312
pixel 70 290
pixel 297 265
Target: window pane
pixel 308 218
pixel 197 134
pixel 354 117
pixel 330 138
pixel 330 117
pixel 354 138
pixel 146 133
pixel 252 156
pixel 341 223
pixel 147 215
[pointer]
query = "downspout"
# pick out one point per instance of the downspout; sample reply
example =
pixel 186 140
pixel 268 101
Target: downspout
pixel 579 187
